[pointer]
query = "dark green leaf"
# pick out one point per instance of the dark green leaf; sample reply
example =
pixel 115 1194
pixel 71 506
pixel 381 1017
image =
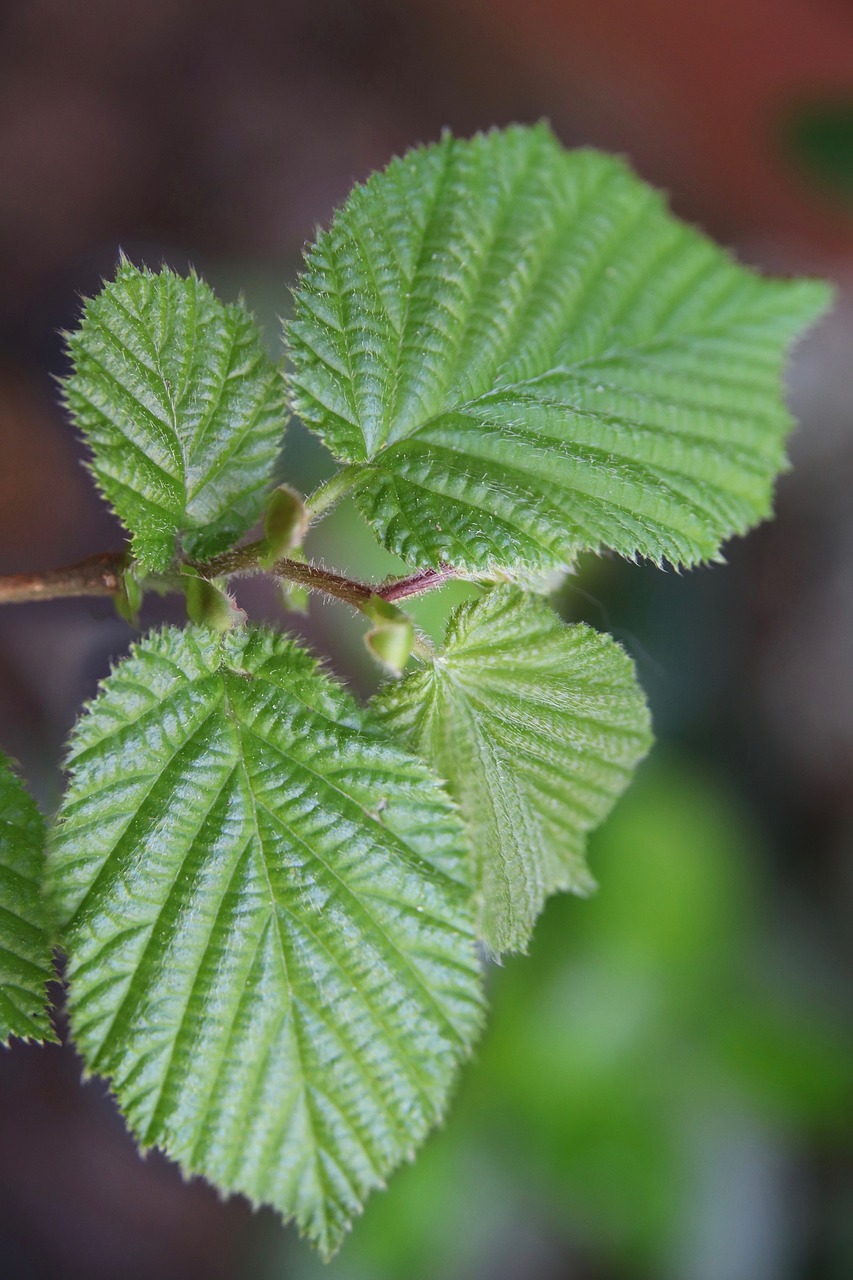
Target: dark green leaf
pixel 25 951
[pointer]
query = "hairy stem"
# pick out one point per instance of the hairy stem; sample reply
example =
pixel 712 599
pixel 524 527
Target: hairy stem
pixel 102 575
pixel 420 582
pixel 332 490
pixel 250 559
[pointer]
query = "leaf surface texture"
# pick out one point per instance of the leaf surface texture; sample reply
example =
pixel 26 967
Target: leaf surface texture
pixel 25 950
pixel 182 409
pixel 267 920
pixel 537 728
pixel 524 355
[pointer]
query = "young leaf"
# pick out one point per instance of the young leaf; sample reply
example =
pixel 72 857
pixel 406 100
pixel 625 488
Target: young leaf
pixel 25 951
pixel 523 355
pixel 537 727
pixel 285 523
pixel 267 920
pixel 392 637
pixel 182 408
pixel 209 604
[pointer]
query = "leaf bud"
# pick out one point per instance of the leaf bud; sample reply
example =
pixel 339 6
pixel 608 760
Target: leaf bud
pixel 285 523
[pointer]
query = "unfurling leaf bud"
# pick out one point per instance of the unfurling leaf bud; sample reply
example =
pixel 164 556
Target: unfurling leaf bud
pixel 285 523
pixel 128 598
pixel 294 597
pixel 207 604
pixel 393 637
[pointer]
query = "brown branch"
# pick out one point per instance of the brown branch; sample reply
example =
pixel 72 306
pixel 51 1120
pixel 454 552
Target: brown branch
pixel 96 576
pixel 249 559
pixel 325 581
pixel 101 576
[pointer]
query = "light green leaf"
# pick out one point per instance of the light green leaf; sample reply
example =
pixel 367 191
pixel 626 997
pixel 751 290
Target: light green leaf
pixel 182 408
pixel 537 727
pixel 523 355
pixel 267 920
pixel 25 951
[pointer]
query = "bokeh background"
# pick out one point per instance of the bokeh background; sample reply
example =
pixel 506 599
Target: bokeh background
pixel 666 1087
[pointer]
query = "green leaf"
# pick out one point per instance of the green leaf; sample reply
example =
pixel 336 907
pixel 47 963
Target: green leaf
pixel 182 408
pixel 268 926
pixel 25 950
pixel 523 355
pixel 537 728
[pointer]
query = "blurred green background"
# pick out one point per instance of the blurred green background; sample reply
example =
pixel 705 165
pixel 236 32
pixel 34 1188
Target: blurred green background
pixel 665 1089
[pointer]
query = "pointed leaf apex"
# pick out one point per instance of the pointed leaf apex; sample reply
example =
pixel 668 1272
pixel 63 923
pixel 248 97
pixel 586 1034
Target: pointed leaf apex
pixel 252 825
pixel 532 357
pixel 181 407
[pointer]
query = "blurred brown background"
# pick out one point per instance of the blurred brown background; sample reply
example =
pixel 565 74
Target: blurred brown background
pixel 221 133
